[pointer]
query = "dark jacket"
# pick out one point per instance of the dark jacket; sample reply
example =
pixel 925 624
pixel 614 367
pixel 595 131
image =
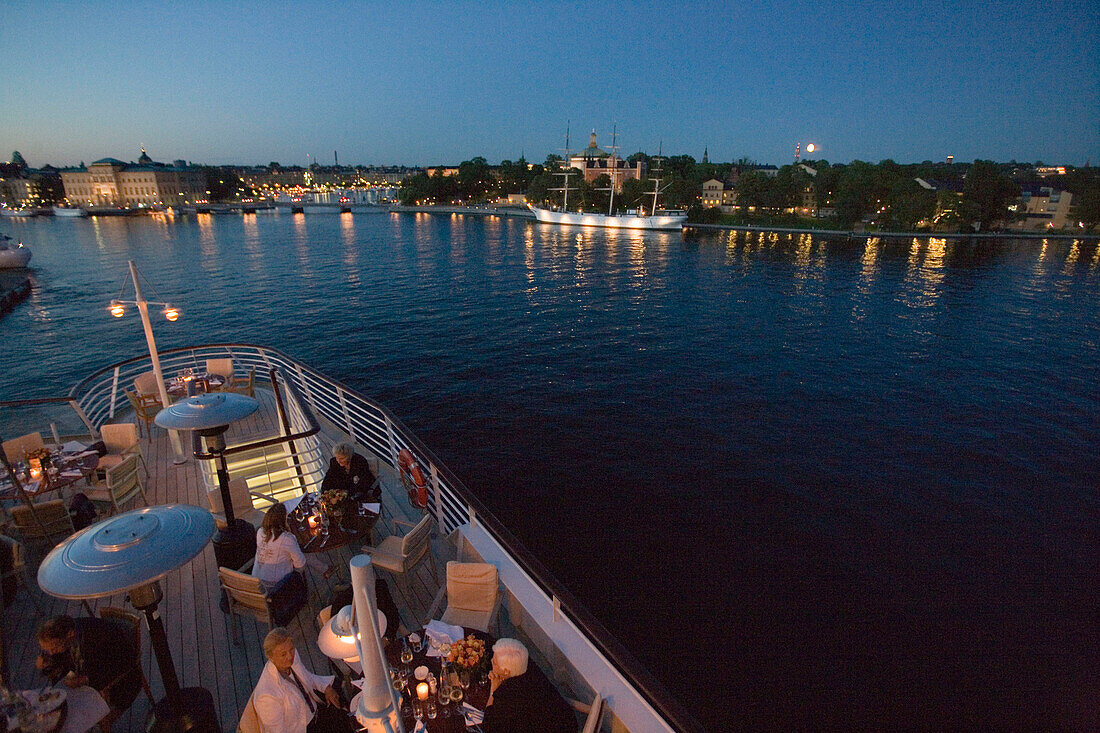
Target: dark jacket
pixel 529 703
pixel 102 651
pixel 358 482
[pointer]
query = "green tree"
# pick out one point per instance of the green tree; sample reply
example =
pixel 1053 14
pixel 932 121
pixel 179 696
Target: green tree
pixel 986 194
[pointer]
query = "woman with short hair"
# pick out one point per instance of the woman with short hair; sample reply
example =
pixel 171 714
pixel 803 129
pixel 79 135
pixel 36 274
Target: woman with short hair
pixel 288 696
pixel 521 698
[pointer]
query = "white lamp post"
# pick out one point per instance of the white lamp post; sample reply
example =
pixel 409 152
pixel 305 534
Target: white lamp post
pixel 117 310
pixel 374 708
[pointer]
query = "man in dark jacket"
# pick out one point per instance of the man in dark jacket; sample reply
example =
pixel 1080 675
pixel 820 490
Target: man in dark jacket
pixel 91 651
pixel 350 471
pixel 521 698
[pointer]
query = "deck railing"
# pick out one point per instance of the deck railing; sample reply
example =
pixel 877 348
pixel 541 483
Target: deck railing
pixel 372 426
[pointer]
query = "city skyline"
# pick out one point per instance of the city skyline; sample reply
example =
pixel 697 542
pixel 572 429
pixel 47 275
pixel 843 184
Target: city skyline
pixel 437 84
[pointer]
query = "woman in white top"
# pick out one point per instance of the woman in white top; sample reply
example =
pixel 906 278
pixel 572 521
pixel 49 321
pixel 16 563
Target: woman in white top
pixel 277 551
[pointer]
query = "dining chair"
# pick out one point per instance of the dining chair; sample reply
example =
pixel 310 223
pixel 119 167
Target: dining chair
pixel 131 623
pixel 13 560
pixel 245 594
pixel 120 486
pixel 145 408
pixel 222 367
pixel 401 555
pixel 592 713
pixel 17 449
pixel 146 384
pixel 472 593
pixel 243 385
pixel 42 524
pixel 241 498
pixel 121 440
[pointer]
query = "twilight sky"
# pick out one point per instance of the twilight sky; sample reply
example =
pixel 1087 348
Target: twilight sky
pixel 432 82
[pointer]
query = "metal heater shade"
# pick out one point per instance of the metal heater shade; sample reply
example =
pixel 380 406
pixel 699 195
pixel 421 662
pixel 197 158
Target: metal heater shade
pixel 206 411
pixel 125 552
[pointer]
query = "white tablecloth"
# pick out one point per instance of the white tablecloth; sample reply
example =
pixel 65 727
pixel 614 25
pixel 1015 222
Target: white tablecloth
pixel 86 708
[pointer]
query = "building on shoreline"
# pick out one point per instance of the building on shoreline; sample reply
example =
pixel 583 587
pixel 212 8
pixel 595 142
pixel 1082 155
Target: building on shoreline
pixel 594 162
pixel 111 182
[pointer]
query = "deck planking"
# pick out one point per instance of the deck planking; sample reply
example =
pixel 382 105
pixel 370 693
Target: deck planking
pixel 199 634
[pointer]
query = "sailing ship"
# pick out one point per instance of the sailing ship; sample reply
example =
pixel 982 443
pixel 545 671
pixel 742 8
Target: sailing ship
pixel 657 218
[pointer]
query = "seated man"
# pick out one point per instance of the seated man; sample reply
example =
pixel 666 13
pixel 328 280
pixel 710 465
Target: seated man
pixel 350 471
pixel 91 651
pixel 521 698
pixel 288 697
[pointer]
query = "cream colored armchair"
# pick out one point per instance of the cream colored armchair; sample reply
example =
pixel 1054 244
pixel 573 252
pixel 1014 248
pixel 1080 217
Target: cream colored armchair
pixel 243 506
pixel 121 485
pixel 401 555
pixel 17 448
pixel 121 441
pixel 473 596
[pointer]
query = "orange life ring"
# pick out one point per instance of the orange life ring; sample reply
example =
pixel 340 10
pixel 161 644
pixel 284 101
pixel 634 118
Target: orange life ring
pixel 413 479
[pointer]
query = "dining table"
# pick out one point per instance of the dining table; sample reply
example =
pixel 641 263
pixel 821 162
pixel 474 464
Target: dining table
pixel 68 464
pixel 61 710
pixel 178 387
pixel 320 530
pixel 449 718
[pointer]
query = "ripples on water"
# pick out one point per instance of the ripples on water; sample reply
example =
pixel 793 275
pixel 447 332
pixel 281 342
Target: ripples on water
pixel 854 480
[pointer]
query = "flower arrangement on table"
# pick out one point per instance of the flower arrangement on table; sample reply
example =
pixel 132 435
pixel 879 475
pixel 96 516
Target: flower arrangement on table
pixel 332 501
pixel 467 654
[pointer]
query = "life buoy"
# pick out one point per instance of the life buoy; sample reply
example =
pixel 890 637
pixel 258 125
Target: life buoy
pixel 413 479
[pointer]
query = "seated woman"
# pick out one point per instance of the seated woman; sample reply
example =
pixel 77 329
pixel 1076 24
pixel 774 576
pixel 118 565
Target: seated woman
pixel 521 698
pixel 289 698
pixel 350 471
pixel 277 551
pixel 91 651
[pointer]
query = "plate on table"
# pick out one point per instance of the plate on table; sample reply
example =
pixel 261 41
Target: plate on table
pixel 45 702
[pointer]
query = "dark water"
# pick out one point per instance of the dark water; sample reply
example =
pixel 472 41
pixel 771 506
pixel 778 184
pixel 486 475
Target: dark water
pixel 840 483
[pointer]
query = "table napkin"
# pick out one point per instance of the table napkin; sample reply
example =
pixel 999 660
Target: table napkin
pixel 73 447
pixel 442 633
pixel 87 453
pixel 292 504
pixel 375 507
pixel 72 474
pixel 473 715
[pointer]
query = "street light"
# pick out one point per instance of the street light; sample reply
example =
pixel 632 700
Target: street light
pixel 118 309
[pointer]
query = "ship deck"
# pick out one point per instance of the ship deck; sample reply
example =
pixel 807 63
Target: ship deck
pixel 199 633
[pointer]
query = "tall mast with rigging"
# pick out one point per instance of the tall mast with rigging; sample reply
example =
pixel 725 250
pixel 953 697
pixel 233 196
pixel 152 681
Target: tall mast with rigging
pixel 565 173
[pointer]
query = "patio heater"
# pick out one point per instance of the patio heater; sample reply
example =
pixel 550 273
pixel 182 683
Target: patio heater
pixel 130 553
pixel 210 415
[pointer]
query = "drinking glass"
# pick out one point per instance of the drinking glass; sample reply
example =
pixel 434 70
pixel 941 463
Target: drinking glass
pixel 456 695
pixel 406 653
pixel 430 709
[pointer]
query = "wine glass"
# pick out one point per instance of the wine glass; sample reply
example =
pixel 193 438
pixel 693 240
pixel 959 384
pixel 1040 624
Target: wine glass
pixel 406 653
pixel 456 695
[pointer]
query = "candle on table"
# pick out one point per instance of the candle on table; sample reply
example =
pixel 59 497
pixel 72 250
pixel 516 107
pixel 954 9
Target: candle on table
pixel 312 522
pixel 422 691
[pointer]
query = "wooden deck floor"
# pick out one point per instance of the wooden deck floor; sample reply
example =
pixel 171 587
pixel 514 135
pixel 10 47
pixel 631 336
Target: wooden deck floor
pixel 199 634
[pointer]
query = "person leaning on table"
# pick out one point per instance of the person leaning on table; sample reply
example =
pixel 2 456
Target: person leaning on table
pixel 288 696
pixel 90 651
pixel 521 698
pixel 350 471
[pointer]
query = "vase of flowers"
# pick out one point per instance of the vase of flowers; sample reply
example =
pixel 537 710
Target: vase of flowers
pixel 468 656
pixel 332 502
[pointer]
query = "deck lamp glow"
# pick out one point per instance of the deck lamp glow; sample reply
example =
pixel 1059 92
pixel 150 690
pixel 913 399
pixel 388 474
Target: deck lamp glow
pixel 210 415
pixel 130 553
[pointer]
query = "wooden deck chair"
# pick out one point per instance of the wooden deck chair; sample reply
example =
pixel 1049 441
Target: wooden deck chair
pixel 223 368
pixel 145 408
pixel 245 594
pixel 121 441
pixel 42 524
pixel 132 622
pixel 401 555
pixel 17 449
pixel 121 486
pixel 146 385
pixel 592 713
pixel 242 385
pixel 243 508
pixel 472 592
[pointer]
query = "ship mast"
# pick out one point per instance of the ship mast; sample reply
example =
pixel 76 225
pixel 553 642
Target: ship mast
pixel 565 173
pixel 614 169
pixel 657 180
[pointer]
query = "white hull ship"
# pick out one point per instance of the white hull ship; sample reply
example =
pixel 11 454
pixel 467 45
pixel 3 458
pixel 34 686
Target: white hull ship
pixel 13 256
pixel 666 220
pixel 70 211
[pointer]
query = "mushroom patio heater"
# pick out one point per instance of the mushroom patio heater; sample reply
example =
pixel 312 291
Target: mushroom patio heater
pixel 130 553
pixel 210 415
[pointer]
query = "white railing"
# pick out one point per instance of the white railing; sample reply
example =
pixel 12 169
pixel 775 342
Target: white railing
pixel 372 426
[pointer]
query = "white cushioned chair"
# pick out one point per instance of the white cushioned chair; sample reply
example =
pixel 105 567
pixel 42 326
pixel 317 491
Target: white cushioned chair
pixel 120 486
pixel 472 593
pixel 401 555
pixel 243 507
pixel 17 448
pixel 121 441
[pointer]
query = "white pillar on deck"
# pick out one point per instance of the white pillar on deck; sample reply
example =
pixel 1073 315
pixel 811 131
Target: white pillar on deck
pixel 377 711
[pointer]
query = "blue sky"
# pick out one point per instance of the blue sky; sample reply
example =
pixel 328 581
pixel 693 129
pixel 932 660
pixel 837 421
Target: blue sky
pixel 424 83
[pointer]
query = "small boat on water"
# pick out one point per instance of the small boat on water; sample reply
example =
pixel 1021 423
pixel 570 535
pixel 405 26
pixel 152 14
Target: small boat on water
pixel 18 212
pixel 70 211
pixel 13 256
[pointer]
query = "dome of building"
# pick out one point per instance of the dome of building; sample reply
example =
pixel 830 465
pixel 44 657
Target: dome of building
pixel 592 151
